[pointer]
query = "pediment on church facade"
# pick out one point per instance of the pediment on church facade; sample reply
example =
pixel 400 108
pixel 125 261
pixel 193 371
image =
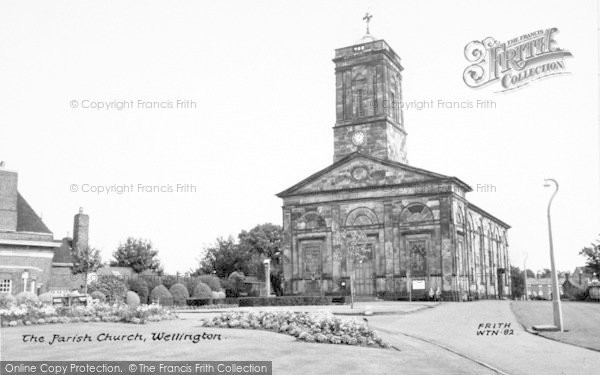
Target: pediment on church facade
pixel 360 171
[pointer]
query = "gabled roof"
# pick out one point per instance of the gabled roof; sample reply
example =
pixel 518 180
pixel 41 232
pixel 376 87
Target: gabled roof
pixel 27 219
pixel 422 174
pixel 63 253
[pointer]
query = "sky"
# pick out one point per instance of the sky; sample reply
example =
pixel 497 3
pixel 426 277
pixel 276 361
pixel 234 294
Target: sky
pixel 255 86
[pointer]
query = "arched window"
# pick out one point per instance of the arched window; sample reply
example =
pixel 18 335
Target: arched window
pixel 361 216
pixel 416 212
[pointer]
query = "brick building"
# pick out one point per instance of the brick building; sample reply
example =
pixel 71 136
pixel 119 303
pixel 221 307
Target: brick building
pixel 421 232
pixel 30 259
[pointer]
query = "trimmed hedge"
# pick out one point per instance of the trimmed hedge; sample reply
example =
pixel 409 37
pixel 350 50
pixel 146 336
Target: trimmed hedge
pixel 132 299
pixel 285 301
pixel 202 290
pixel 140 287
pixel 213 282
pixel 180 294
pixel 162 295
pixel 210 301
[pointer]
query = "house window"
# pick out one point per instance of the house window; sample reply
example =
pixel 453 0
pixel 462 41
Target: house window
pixel 5 286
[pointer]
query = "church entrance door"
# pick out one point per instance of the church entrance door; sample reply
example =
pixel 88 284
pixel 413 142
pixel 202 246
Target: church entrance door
pixel 363 279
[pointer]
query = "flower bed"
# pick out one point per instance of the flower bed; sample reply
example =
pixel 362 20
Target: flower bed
pixel 101 312
pixel 310 327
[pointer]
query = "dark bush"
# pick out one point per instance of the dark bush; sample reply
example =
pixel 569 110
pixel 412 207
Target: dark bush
pixel 236 284
pixel 212 281
pixel 207 301
pixel 113 287
pixel 180 294
pixel 161 295
pixel 284 301
pixel 140 287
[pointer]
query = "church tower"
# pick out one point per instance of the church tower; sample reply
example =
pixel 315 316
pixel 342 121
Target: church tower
pixel 368 101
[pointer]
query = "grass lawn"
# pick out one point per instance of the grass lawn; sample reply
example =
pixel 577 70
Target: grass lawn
pixel 289 356
pixel 581 320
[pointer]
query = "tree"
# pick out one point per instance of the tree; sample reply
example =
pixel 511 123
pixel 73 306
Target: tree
pixel 264 242
pixel 85 261
pixel 138 254
pixel 545 273
pixel 352 248
pixel 592 254
pixel 517 282
pixel 530 273
pixel 264 239
pixel 224 257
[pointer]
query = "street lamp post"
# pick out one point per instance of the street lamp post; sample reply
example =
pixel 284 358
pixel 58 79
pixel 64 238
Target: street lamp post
pixel 558 319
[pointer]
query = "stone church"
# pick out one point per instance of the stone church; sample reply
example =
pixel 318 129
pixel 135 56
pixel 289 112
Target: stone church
pixel 421 232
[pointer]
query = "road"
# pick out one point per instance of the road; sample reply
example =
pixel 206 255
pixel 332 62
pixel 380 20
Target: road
pixel 454 326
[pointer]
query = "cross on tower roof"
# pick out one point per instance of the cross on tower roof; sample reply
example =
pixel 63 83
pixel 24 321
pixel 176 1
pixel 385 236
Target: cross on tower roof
pixel 367 19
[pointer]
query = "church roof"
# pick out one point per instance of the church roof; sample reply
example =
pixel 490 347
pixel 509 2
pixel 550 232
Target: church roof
pixel 425 174
pixel 27 219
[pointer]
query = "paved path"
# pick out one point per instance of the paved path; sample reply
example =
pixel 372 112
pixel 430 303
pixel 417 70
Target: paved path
pixel 377 307
pixel 455 325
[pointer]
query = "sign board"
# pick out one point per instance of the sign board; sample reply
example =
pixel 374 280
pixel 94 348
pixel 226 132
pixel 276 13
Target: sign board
pixel 418 284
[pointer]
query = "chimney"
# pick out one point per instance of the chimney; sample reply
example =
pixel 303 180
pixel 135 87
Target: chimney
pixel 81 226
pixel 8 199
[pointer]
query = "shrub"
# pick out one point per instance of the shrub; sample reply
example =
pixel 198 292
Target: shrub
pixel 236 283
pixel 161 295
pixel 140 287
pixel 212 281
pixel 7 300
pixel 284 301
pixel 46 298
pixel 222 302
pixel 99 296
pixel 152 282
pixel 113 287
pixel 27 298
pixel 180 294
pixel 218 295
pixel 202 290
pixel 132 299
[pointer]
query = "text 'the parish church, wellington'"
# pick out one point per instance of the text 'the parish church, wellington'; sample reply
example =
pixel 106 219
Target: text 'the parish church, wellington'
pixel 421 232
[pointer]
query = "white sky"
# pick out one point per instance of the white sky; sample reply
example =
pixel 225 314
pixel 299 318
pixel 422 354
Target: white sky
pixel 262 77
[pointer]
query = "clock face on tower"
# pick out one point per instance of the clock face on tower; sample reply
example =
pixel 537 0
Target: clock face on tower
pixel 358 138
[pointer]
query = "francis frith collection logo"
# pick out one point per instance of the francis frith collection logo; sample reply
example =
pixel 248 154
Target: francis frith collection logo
pixel 514 63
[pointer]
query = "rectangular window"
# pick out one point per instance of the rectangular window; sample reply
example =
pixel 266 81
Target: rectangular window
pixel 5 286
pixel 361 104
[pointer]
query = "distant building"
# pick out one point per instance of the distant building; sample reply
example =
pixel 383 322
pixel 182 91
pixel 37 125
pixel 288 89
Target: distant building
pixel 542 287
pixel 581 277
pixel 30 259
